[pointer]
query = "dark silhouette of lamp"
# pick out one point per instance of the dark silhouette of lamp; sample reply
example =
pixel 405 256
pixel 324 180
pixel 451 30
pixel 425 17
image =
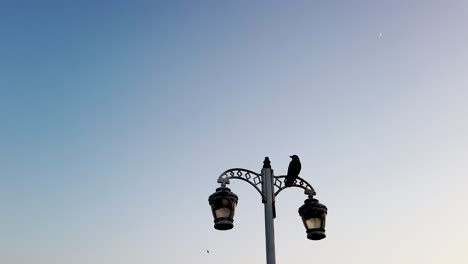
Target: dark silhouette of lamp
pixel 223 205
pixel 313 216
pixel 223 202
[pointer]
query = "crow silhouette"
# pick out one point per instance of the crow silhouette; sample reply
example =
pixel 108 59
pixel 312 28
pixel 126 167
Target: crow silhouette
pixel 293 170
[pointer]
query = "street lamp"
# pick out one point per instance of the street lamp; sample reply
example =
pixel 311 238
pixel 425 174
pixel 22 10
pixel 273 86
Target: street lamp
pixel 223 203
pixel 313 216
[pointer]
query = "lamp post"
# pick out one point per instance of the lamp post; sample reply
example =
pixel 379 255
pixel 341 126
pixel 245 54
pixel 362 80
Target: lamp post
pixel 223 203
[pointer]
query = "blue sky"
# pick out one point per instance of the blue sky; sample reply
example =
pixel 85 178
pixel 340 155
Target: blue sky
pixel 117 118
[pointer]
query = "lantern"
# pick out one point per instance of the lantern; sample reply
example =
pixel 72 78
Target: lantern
pixel 313 216
pixel 223 204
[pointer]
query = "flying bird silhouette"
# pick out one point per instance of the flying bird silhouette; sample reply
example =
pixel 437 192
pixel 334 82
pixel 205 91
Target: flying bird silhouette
pixel 293 170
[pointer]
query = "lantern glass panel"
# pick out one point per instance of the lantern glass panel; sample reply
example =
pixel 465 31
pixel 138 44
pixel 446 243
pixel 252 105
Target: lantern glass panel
pixel 222 212
pixel 313 223
pixel 224 208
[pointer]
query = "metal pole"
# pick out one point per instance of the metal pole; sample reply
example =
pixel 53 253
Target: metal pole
pixel 268 193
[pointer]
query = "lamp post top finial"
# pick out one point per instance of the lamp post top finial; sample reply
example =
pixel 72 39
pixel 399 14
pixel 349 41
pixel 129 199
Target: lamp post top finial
pixel 267 163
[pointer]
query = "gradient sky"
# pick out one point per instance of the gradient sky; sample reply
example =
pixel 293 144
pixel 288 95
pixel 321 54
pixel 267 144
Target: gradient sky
pixel 117 117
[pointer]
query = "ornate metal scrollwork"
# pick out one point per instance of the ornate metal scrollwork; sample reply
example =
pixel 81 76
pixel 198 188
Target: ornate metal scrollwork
pixel 278 181
pixel 255 179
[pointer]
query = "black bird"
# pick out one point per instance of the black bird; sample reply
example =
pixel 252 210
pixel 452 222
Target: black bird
pixel 293 170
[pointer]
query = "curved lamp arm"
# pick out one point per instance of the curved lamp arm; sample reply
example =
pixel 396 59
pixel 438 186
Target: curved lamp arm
pixel 279 182
pixel 255 179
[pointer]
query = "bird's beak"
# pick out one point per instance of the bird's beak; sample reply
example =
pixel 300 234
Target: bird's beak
pixel 290 156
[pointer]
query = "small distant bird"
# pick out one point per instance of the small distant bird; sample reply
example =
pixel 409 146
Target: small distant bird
pixel 207 251
pixel 293 170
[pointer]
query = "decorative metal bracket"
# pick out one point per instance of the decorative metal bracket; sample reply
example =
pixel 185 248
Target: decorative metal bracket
pixel 255 179
pixel 279 182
